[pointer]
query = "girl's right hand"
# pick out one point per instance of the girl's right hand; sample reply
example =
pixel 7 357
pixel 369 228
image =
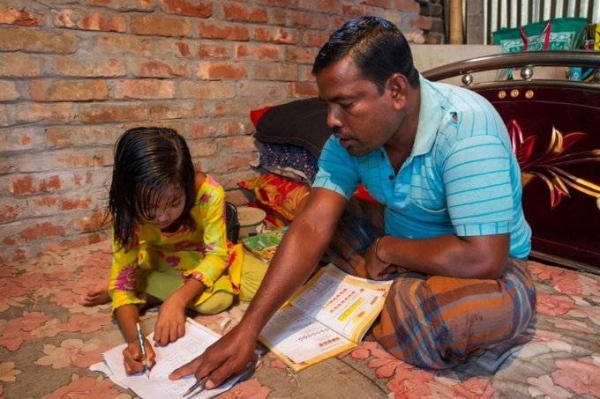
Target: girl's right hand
pixel 134 360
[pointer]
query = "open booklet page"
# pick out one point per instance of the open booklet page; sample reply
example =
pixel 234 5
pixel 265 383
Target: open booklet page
pixel 328 315
pixel 195 341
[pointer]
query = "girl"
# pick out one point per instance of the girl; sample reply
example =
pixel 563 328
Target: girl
pixel 168 241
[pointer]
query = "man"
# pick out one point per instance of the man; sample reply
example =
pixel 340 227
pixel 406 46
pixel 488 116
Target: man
pixel 439 159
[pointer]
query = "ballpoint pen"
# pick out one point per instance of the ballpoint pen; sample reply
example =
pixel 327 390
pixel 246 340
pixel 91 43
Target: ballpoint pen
pixel 197 384
pixel 200 383
pixel 140 339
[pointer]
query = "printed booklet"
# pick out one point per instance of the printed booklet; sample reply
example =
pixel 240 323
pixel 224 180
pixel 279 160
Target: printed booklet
pixel 265 244
pixel 330 314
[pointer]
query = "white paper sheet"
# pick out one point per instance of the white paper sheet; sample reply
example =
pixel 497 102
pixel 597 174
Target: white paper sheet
pixel 195 341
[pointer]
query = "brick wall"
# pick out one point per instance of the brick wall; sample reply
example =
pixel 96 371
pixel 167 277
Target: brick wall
pixel 75 74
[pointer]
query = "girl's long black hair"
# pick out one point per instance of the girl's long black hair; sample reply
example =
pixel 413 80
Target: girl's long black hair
pixel 148 161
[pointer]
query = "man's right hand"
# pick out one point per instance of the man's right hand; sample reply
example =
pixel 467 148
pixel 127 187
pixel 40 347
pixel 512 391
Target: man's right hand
pixel 228 356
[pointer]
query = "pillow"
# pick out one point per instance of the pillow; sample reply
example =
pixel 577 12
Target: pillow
pixel 278 193
pixel 288 160
pixel 301 122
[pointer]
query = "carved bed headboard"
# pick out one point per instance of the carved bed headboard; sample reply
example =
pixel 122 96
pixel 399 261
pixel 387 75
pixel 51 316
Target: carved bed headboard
pixel 555 129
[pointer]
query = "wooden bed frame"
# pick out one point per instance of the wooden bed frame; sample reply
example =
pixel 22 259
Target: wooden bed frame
pixel 555 128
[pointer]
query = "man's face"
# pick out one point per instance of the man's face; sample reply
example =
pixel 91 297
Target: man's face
pixel 361 117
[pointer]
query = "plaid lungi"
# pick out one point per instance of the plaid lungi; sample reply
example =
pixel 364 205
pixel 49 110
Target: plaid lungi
pixel 436 322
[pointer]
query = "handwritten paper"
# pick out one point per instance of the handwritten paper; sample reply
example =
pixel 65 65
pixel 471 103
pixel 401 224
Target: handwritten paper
pixel 195 341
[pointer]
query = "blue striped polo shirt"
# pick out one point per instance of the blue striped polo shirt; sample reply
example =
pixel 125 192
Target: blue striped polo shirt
pixel 461 177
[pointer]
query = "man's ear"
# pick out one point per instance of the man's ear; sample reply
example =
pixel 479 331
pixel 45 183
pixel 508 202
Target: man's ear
pixel 397 84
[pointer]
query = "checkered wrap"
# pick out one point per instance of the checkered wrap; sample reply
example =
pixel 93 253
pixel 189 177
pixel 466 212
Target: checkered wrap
pixel 436 322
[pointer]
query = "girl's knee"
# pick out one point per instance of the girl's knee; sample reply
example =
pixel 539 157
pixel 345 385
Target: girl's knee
pixel 253 272
pixel 217 303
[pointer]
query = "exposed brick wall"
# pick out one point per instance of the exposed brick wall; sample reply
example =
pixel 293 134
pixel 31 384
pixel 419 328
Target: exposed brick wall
pixel 75 75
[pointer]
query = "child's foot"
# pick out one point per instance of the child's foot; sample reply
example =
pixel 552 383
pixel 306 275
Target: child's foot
pixel 96 296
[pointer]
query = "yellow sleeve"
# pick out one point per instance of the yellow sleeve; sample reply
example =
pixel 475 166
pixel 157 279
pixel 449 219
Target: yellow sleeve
pixel 209 214
pixel 122 283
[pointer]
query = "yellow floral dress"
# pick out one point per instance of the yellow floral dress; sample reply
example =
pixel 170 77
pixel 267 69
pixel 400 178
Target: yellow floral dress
pixel 158 262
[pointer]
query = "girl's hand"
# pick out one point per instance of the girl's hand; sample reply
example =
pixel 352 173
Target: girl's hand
pixel 134 360
pixel 170 325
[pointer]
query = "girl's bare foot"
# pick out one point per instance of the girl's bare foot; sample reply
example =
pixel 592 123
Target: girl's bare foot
pixel 96 296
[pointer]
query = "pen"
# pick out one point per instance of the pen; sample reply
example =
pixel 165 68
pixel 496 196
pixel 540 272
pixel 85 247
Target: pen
pixel 197 384
pixel 239 377
pixel 140 339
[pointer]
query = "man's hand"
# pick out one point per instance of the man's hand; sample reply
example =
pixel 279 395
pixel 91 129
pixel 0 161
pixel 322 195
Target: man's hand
pixel 223 359
pixel 377 268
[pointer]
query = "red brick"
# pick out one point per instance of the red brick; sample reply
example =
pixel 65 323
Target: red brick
pixel 69 204
pixel 10 241
pixel 8 91
pixel 276 71
pixel 20 65
pixel 234 162
pixel 96 21
pixel 9 210
pixel 241 12
pixel 238 144
pixel 184 49
pixel 407 5
pixel 200 9
pixel 68 90
pixel 308 19
pixel 377 3
pixel 214 89
pixel 201 130
pixel 62 136
pixel 262 89
pixel 300 55
pixel 28 184
pixel 208 51
pixel 276 35
pixel 353 11
pixel 143 89
pixel 258 51
pixel 110 67
pixel 4 116
pixel 41 230
pixel 22 185
pixel 159 25
pixel 175 109
pixel 36 112
pixel 38 41
pixel 112 112
pixel 123 5
pixel 21 139
pixel 304 89
pixel 326 7
pixel 160 69
pixel 316 38
pixel 212 71
pixel 44 202
pixel 203 148
pixel 124 44
pixel 225 31
pixel 425 23
pixel 81 159
pixel 12 16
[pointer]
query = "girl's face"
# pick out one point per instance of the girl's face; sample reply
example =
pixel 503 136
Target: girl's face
pixel 168 208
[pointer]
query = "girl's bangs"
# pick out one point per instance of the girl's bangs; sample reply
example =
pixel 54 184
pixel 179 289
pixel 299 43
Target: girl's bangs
pixel 146 201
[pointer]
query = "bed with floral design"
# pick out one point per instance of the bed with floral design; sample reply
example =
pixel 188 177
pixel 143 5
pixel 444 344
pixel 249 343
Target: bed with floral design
pixel 48 340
